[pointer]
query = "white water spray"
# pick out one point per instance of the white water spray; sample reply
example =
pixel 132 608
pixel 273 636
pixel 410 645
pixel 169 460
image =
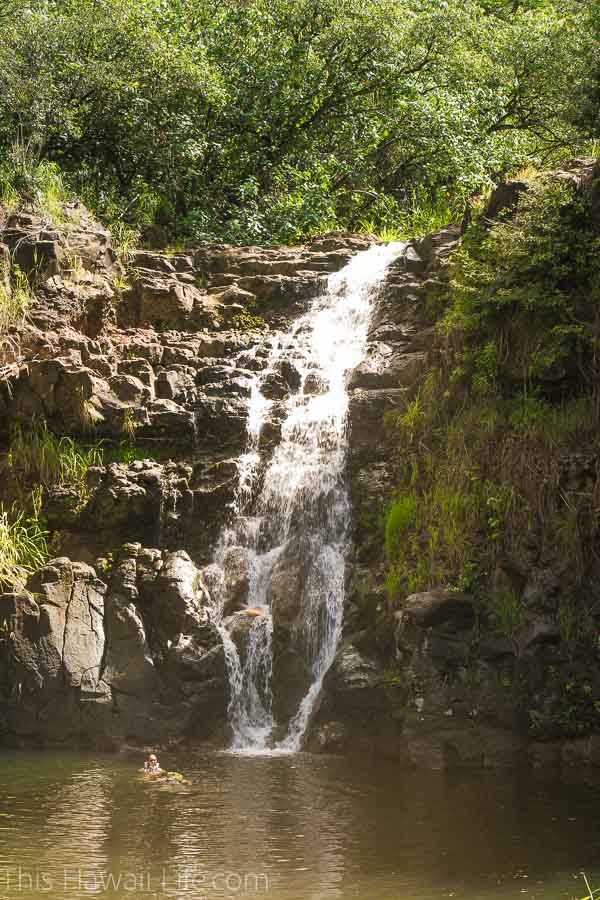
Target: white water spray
pixel 292 514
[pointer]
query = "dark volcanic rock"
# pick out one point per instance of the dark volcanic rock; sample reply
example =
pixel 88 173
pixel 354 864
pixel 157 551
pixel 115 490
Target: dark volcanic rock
pixel 439 608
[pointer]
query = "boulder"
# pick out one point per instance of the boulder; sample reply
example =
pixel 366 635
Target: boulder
pixel 129 667
pixel 385 368
pixel 221 421
pixel 196 660
pixel 178 596
pixel 235 296
pixel 433 608
pixel 67 649
pixel 284 594
pixel 290 374
pixel 331 737
pixel 355 682
pixel 140 368
pixel 237 568
pixel 56 651
pixel 505 197
pixel 130 389
pixel 169 420
pixel 166 385
pixel 292 677
pixel 162 301
pixel 240 625
pixel 37 252
pixel 367 412
pixel 542 590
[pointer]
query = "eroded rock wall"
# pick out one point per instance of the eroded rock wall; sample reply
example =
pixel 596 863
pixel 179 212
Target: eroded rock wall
pixel 149 357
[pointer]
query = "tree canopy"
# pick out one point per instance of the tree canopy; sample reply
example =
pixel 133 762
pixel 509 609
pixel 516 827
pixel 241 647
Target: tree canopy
pixel 273 119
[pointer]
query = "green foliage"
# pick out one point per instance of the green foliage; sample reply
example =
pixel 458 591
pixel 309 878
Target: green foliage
pixel 126 453
pixel 129 424
pixel 245 321
pixel 83 79
pixel 271 121
pixel 507 613
pixel 125 239
pixel 481 444
pixel 551 424
pixel 525 295
pixel 434 529
pixel 38 183
pixel 15 300
pixel 400 517
pixel 23 547
pixel 38 456
pixel 392 678
pixel 572 707
pixel 391 220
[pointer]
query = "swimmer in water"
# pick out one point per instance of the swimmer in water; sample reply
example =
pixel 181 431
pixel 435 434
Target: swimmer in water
pixel 152 765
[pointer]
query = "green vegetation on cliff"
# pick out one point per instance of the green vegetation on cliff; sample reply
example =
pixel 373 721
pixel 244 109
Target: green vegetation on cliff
pixel 38 456
pixel 497 452
pixel 274 120
pixel 23 547
pixel 514 387
pixel 15 300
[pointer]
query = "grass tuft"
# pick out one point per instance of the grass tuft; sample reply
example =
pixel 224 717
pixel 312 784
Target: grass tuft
pixel 37 455
pixel 23 547
pixel 15 301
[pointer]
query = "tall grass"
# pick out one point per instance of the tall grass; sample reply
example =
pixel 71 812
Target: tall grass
pixel 400 517
pixel 125 239
pixel 26 181
pixel 86 412
pixel 23 547
pixel 37 455
pixel 418 216
pixel 15 301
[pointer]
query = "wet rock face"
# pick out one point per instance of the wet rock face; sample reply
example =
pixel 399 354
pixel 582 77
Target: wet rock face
pixel 292 674
pixel 397 356
pixel 153 357
pixel 237 568
pixel 447 683
pixel 434 608
pixel 430 706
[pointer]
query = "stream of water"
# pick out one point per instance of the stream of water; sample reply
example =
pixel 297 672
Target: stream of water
pixel 292 512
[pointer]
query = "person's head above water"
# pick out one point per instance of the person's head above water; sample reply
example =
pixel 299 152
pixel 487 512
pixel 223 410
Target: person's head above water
pixel 152 761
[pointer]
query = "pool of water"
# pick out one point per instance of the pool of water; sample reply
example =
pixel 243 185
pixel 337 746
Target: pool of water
pixel 291 828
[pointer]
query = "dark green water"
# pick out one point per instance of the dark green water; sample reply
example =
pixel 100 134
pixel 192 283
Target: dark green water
pixel 291 828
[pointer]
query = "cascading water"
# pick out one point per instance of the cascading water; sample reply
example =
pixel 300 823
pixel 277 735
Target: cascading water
pixel 292 512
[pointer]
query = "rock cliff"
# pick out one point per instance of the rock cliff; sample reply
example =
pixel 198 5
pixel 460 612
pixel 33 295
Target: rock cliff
pixel 150 359
pixel 498 674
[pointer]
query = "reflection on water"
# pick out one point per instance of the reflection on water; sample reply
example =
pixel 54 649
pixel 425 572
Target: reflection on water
pixel 289 828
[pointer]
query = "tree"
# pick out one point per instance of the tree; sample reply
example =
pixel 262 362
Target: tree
pixel 278 118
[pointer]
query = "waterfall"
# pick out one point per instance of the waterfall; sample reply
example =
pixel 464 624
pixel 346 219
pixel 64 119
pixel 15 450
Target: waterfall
pixel 291 513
